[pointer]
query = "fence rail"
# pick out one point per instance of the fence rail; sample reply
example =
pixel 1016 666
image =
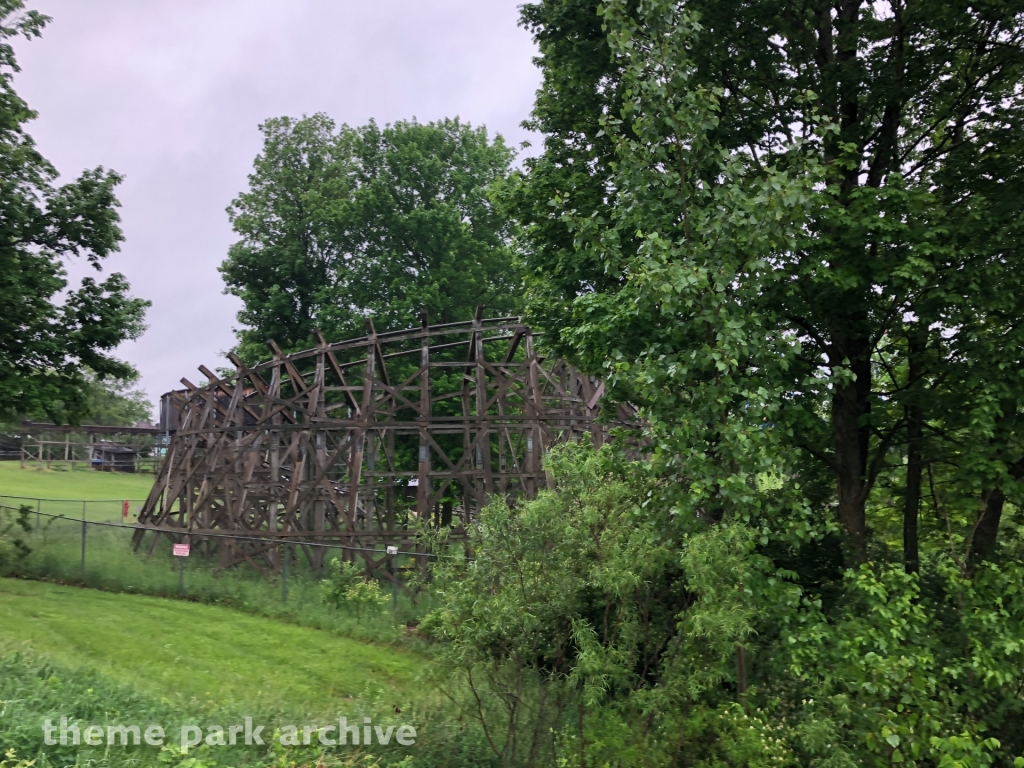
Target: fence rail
pixel 91 509
pixel 53 535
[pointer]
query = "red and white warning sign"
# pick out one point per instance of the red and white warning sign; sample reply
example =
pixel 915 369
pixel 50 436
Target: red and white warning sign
pixel 181 550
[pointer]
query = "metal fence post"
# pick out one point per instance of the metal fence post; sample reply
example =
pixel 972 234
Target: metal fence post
pixel 284 572
pixel 39 503
pixel 83 542
pixel 181 577
pixel 393 568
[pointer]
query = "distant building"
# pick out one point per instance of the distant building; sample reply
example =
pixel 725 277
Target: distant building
pixel 10 447
pixel 111 457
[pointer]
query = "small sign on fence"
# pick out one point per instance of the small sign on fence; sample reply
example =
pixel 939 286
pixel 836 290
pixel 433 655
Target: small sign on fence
pixel 392 550
pixel 181 550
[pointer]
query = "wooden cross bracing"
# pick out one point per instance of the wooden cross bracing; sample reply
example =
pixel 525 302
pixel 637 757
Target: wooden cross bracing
pixel 359 443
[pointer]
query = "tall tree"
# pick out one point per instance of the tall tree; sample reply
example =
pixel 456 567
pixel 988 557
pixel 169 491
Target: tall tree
pixel 889 298
pixel 50 335
pixel 343 224
pixel 109 402
pixel 790 233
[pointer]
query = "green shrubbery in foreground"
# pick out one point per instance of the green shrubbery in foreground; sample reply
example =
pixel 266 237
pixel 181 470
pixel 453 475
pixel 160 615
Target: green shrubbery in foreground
pixel 600 627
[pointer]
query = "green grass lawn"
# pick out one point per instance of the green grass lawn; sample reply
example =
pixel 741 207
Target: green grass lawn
pixel 200 655
pixel 78 484
pixel 112 656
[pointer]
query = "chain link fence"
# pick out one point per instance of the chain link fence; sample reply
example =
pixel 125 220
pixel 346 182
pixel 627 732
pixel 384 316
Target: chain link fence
pixel 102 510
pixel 90 542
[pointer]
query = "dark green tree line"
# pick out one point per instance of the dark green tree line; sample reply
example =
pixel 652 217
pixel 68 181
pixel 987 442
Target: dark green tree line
pixel 113 402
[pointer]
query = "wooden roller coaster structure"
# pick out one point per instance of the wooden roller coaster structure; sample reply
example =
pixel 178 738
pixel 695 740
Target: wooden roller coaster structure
pixel 360 444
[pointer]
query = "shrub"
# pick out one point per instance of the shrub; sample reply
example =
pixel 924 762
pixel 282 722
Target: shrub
pixel 346 586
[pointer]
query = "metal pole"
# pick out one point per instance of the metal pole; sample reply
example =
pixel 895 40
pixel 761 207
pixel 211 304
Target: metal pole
pixel 38 509
pixel 394 585
pixel 181 577
pixel 83 541
pixel 284 573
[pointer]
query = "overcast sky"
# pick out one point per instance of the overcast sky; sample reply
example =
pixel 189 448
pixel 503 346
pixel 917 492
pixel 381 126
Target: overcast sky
pixel 169 93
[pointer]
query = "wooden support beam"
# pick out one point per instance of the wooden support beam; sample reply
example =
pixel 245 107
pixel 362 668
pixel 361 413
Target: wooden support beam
pixel 320 446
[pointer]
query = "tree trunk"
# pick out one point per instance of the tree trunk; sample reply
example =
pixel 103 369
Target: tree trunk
pixel 986 530
pixel 918 340
pixel 851 434
pixel 912 499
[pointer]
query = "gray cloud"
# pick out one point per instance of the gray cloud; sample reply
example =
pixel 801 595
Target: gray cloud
pixel 169 93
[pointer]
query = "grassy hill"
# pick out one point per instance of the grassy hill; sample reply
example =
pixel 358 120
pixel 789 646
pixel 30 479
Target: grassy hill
pixel 189 652
pixel 234 648
pixel 112 659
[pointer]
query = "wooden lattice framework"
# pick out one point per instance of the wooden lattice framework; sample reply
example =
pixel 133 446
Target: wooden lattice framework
pixel 358 443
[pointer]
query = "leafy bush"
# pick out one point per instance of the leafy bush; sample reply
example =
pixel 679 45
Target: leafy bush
pixel 346 586
pixel 596 626
pixel 13 547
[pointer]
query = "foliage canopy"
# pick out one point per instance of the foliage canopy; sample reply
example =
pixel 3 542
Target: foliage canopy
pixel 343 224
pixel 823 239
pixel 790 234
pixel 50 335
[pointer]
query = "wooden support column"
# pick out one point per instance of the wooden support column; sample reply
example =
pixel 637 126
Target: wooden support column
pixel 370 500
pixel 423 476
pixel 389 495
pixel 483 437
pixel 360 431
pixel 276 490
pixel 534 410
pixel 316 407
pixel 423 487
pixel 470 496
